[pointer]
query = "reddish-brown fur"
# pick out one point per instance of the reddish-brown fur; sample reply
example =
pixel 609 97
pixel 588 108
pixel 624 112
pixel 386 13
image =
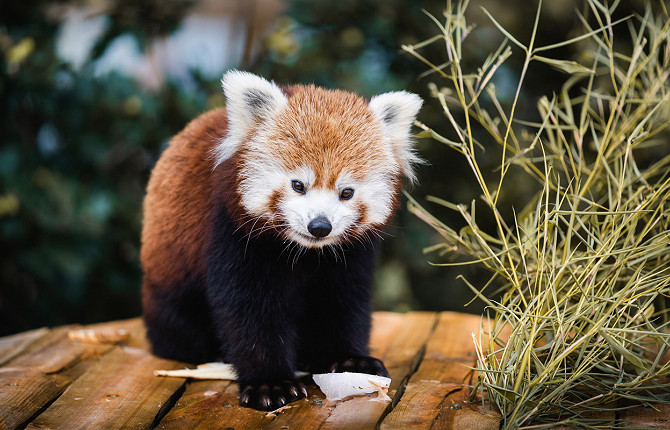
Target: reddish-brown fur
pixel 177 205
pixel 328 131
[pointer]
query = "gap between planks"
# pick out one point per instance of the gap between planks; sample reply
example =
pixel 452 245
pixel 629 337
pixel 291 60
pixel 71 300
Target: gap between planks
pixel 398 339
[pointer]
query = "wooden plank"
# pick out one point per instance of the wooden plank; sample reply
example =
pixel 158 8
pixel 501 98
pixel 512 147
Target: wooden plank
pixel 211 404
pixel 356 413
pixel 26 390
pixel 55 352
pixel 452 338
pixel 11 346
pixel 408 346
pixel 456 412
pixel 23 393
pixel 119 391
pixel 194 404
pixel 419 405
pixel 443 370
pixel 656 417
pixel 307 413
pixel 385 325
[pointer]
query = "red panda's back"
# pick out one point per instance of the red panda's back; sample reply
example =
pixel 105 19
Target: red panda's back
pixel 178 203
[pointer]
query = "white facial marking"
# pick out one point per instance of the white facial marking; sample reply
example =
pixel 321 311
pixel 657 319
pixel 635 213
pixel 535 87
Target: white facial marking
pixel 298 210
pixel 264 176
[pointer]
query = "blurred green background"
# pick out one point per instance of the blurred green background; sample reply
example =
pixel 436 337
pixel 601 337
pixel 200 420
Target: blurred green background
pixel 92 90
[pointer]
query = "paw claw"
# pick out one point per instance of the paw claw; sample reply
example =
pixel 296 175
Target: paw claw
pixel 368 365
pixel 271 396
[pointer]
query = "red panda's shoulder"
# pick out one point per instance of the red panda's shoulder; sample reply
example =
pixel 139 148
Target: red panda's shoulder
pixel 178 199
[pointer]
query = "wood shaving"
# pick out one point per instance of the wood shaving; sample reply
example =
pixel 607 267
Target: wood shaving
pixel 99 335
pixel 274 413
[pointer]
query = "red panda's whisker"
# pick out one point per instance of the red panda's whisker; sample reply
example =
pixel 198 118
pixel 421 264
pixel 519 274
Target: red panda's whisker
pixel 246 222
pixel 249 235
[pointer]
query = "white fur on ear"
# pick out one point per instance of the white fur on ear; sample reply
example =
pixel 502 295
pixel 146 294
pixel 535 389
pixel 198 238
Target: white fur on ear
pixel 250 100
pixel 396 111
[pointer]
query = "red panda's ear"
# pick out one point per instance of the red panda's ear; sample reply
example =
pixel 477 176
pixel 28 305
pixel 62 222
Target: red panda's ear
pixel 396 111
pixel 250 101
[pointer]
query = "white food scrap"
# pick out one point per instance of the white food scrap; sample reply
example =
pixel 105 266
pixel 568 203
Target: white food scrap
pixel 204 371
pixel 214 370
pixel 337 386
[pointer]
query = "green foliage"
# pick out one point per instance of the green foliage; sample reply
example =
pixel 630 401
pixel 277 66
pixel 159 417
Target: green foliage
pixel 75 156
pixel 581 320
pixel 77 147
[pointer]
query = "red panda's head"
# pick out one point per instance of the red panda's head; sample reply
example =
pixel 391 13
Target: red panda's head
pixel 321 167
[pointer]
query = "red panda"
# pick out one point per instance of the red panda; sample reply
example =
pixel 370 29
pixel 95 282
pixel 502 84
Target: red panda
pixel 261 223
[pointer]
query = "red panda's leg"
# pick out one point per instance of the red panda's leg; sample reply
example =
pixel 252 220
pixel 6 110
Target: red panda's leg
pixel 256 322
pixel 178 323
pixel 254 305
pixel 335 331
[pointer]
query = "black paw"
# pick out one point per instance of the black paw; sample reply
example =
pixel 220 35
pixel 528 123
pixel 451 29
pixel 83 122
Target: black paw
pixel 268 396
pixel 369 365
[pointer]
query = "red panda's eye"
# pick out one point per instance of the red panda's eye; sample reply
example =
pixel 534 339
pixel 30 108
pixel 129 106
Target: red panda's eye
pixel 346 194
pixel 298 187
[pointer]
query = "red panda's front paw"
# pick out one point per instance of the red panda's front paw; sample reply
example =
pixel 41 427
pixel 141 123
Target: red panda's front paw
pixel 363 364
pixel 268 396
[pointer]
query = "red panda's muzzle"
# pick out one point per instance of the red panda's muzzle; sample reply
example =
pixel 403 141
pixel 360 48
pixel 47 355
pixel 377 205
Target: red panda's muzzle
pixel 319 227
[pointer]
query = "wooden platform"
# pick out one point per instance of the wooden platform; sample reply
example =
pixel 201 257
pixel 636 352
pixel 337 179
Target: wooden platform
pixel 49 381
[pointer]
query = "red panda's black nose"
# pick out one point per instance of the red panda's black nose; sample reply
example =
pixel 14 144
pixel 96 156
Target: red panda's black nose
pixel 319 227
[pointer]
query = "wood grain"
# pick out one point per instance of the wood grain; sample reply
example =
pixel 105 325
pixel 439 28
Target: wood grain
pixel 23 393
pixel 407 347
pixel 119 391
pixel 657 417
pixel 54 352
pixel 457 412
pixel 211 405
pixel 443 370
pixel 11 346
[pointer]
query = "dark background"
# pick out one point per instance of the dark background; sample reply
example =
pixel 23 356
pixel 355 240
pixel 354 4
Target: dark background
pixel 91 91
